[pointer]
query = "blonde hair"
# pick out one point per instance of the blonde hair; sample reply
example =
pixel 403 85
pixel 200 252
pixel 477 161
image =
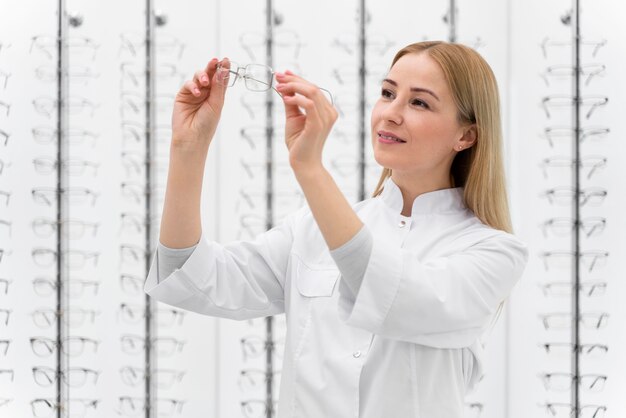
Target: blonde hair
pixel 480 168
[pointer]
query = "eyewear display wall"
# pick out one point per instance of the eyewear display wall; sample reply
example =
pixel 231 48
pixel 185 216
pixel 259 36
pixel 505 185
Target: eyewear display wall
pixel 117 135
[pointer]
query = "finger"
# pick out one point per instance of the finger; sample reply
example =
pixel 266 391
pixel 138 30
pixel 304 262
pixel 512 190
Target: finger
pixel 291 108
pixel 312 116
pixel 308 90
pixel 219 83
pixel 201 78
pixel 211 68
pixel 191 87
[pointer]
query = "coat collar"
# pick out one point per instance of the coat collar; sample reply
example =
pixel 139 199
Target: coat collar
pixel 430 203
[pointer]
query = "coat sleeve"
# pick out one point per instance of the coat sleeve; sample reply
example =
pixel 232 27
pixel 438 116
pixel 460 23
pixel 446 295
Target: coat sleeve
pixel 240 280
pixel 443 302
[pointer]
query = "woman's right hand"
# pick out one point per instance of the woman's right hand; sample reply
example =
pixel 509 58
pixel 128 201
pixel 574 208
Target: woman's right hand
pixel 198 106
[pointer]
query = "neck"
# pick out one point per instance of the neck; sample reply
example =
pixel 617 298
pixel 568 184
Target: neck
pixel 412 186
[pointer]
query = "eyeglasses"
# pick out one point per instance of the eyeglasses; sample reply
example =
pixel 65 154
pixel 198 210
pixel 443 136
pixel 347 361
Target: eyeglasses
pixel 5 314
pixel 255 408
pixel 4 348
pixel 592 196
pixel 5 401
pixel 592 163
pixel 73 377
pixel 46 227
pixel 73 166
pixel 552 133
pixel 132 406
pixel 165 44
pixel 595 45
pixel 563 320
pixel 76 287
pixel 75 105
pixel 258 134
pixel 254 379
pixel 46 135
pixel 257 77
pixel 4 285
pixel 4 75
pixel 559 409
pixel 132 314
pixel 564 227
pixel 165 378
pixel 564 381
pixel 7 106
pixel 76 45
pixel 72 346
pixel 46 408
pixel 6 195
pixel 253 346
pixel 136 73
pixel 567 71
pixel 349 75
pixel 375 43
pixel 5 135
pixel 164 346
pixel 50 73
pixel 77 195
pixel 594 259
pixel 74 317
pixel 284 39
pixel 75 259
pixel 563 100
pixel 589 289
pixel 589 350
pixel 132 285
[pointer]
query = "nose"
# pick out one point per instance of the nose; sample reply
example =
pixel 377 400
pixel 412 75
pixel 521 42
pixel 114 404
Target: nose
pixel 392 112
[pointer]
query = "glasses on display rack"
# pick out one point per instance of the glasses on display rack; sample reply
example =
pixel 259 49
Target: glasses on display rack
pixel 564 289
pixel 164 346
pixel 255 134
pixel 592 259
pixel 73 377
pixel 50 73
pixel 254 346
pixel 592 164
pixel 555 133
pixel 284 40
pixel 547 45
pixel 591 226
pixel 48 45
pixel 136 73
pixel 255 170
pixel 255 408
pixel 72 166
pixel 131 284
pixel 559 101
pixel 564 320
pixel 474 409
pixel 75 259
pixel 165 44
pixel 375 43
pixel 46 135
pixel 132 406
pixel 566 349
pixel 7 375
pixel 164 378
pixel 348 74
pixel 136 102
pixel 560 409
pixel 566 196
pixel 565 71
pixel 4 252
pixel 72 346
pixel 76 287
pixel 5 196
pixel 564 381
pixel 47 196
pixel 133 254
pixel 4 136
pixel 76 106
pixel 254 199
pixel 74 228
pixel 48 408
pixel 4 402
pixel 256 379
pixel 258 77
pixel 165 317
pixel 74 317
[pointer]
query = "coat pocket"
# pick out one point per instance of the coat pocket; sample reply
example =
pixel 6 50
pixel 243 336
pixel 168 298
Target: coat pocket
pixel 317 281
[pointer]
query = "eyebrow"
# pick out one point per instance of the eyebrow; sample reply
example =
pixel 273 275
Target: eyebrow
pixel 416 89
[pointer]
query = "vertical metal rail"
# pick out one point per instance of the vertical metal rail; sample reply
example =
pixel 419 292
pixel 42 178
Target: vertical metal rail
pixel 452 22
pixel 362 48
pixel 269 133
pixel 62 360
pixel 150 327
pixel 576 212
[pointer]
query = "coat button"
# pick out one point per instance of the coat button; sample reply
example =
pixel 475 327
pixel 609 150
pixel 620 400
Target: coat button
pixel 402 224
pixel 356 354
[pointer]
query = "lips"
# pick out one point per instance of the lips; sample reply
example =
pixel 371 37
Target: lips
pixel 388 136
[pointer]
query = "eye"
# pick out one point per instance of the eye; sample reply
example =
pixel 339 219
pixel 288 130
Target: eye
pixel 421 103
pixel 386 93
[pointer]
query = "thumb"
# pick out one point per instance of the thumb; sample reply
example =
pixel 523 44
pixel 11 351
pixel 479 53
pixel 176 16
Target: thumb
pixel 219 83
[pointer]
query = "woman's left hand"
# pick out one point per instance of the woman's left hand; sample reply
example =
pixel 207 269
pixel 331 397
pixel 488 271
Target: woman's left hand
pixel 305 132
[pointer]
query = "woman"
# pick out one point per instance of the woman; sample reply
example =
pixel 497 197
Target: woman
pixel 386 300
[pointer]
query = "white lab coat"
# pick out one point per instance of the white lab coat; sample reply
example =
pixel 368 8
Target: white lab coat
pixel 408 345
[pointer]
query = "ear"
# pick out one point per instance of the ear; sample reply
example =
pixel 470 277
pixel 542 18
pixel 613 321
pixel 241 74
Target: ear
pixel 470 134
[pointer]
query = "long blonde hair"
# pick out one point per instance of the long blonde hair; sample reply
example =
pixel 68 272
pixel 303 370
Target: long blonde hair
pixel 478 169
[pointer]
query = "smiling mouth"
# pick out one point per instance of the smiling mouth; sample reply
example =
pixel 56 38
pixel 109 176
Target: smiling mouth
pixel 388 137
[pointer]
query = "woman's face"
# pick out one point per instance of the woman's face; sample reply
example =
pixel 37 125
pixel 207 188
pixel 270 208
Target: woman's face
pixel 414 122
